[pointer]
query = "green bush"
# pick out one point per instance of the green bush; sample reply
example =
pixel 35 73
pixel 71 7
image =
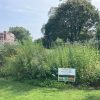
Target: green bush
pixel 28 62
pixel 48 83
pixel 84 58
pixel 32 61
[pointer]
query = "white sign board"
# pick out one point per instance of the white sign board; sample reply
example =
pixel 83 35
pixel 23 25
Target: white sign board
pixel 66 74
pixel 66 71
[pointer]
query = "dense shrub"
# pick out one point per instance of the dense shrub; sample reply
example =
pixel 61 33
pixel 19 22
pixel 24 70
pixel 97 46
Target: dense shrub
pixel 6 50
pixel 84 58
pixel 48 83
pixel 28 62
pixel 32 61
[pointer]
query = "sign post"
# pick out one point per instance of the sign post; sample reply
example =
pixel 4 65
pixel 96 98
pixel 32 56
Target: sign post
pixel 66 74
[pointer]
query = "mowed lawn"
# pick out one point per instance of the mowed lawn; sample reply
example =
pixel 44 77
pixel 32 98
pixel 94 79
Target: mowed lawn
pixel 10 90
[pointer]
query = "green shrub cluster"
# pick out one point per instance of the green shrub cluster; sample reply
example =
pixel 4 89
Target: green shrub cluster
pixel 32 61
pixel 84 58
pixel 48 83
pixel 27 62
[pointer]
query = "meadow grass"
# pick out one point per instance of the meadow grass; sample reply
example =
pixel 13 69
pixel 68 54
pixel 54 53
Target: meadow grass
pixel 34 61
pixel 13 90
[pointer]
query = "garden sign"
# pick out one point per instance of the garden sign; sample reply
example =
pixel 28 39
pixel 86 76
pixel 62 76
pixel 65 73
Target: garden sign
pixel 66 74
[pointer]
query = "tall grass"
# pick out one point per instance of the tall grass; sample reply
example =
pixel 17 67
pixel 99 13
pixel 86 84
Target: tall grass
pixel 34 61
pixel 84 58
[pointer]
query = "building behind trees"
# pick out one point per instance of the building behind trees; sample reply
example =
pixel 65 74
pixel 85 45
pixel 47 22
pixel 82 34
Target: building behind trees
pixel 7 37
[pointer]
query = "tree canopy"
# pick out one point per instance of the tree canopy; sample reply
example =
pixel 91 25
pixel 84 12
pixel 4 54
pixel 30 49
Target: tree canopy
pixel 20 33
pixel 71 20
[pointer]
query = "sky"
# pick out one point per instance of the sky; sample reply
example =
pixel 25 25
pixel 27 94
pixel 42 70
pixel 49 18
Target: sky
pixel 31 14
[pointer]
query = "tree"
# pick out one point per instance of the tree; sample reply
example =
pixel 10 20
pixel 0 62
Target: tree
pixel 20 33
pixel 69 20
pixel 98 35
pixel 98 32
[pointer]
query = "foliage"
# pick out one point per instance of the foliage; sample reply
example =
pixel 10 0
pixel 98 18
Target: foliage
pixel 98 35
pixel 84 58
pixel 59 42
pixel 20 33
pixel 48 83
pixel 6 50
pixel 71 20
pixel 32 61
pixel 29 61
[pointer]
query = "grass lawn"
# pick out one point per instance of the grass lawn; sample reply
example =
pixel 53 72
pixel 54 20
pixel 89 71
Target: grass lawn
pixel 10 90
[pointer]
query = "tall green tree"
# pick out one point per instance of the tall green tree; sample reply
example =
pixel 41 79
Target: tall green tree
pixel 71 21
pixel 20 33
pixel 98 35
